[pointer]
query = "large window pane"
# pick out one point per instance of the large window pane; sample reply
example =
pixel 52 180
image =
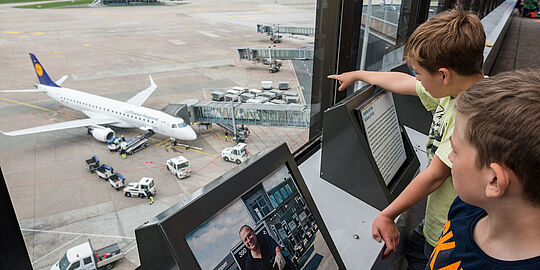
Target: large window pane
pixel 190 48
pixel 387 24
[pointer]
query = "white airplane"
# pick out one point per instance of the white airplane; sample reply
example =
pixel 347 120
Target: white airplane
pixel 105 111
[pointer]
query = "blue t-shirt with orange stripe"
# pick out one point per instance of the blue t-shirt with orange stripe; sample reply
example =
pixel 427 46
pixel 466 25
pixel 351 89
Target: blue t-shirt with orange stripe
pixel 456 248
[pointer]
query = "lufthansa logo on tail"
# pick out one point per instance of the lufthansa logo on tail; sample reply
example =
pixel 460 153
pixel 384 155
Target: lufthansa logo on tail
pixel 39 69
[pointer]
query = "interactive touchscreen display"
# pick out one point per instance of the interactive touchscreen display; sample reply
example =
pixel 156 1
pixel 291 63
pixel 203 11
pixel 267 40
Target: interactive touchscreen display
pixel 270 218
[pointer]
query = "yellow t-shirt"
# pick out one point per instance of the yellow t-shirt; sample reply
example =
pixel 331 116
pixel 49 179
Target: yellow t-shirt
pixel 442 127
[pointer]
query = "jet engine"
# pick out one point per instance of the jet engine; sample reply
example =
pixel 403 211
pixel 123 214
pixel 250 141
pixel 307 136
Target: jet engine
pixel 102 134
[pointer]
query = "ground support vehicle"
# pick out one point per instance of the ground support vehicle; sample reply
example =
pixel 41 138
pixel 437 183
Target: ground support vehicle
pixel 217 95
pixel 255 92
pixel 236 154
pixel 104 171
pixel 139 189
pixel 245 96
pixel 117 181
pixel 92 164
pixel 284 85
pixel 179 166
pixel 85 257
pixel 135 144
pixel 279 93
pixel 114 143
pixel 266 85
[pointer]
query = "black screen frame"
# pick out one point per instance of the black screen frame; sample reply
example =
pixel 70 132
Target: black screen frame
pixel 183 218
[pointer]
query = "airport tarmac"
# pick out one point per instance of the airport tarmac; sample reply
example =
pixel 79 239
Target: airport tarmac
pixel 110 52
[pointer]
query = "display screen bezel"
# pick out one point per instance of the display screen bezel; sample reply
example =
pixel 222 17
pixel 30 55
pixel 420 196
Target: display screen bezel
pixel 220 193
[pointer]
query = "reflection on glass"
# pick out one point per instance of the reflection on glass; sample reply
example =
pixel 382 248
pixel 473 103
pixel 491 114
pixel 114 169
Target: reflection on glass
pixel 380 45
pixel 385 27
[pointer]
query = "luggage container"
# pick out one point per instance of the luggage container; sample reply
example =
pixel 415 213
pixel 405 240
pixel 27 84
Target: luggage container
pixel 217 95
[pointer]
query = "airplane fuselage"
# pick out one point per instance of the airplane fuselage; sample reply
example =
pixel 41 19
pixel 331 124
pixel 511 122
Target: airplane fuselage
pixel 128 115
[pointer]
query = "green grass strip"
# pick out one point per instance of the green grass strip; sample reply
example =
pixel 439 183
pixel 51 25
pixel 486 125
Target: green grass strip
pixel 19 1
pixel 58 4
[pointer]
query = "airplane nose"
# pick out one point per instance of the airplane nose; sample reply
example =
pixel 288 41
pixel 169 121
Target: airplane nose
pixel 189 134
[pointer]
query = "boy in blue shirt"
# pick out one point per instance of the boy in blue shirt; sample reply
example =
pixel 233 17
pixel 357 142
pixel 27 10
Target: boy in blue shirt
pixel 494 221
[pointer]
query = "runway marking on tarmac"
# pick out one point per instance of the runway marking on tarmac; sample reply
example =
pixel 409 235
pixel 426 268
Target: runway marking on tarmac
pixel 149 57
pixel 254 133
pixel 207 164
pixel 237 16
pixel 41 108
pixel 37 33
pixel 76 238
pixel 130 249
pixel 77 178
pixel 190 149
pixel 26 104
pixel 81 234
pixel 22 36
pixel 11 32
pixel 133 54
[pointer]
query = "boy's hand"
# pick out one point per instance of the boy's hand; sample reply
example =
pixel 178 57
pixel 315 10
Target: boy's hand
pixel 345 79
pixel 385 227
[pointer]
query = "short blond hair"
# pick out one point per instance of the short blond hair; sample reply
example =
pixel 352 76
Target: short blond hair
pixel 452 39
pixel 504 125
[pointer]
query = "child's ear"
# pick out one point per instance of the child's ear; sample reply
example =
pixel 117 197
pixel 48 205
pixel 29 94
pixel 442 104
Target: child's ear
pixel 445 74
pixel 498 182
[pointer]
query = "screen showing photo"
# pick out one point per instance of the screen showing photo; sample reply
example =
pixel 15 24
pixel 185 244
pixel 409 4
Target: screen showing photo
pixel 271 224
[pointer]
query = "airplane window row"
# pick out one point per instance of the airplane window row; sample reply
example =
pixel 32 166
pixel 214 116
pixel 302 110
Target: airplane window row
pixel 100 108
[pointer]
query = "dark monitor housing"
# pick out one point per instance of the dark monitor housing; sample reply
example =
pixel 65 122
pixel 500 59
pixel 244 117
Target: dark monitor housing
pixel 347 160
pixel 181 238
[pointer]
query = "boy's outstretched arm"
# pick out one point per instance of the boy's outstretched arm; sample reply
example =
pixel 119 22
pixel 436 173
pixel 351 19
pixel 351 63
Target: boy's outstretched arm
pixel 395 82
pixel 420 187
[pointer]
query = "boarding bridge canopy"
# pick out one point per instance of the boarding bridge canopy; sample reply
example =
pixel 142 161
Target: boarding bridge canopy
pixel 275 53
pixel 293 30
pixel 283 115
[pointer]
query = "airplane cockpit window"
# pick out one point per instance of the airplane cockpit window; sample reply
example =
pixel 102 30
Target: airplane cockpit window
pixel 181 125
pixel 173 125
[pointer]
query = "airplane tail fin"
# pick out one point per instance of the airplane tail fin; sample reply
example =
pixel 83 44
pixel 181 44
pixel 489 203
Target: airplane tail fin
pixel 41 73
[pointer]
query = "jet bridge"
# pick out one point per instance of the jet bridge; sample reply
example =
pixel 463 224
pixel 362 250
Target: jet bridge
pixel 282 115
pixel 274 31
pixel 231 114
pixel 273 56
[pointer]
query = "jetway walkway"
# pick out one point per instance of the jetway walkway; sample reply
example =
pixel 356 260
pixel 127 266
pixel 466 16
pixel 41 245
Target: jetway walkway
pixel 274 31
pixel 282 115
pixel 272 56
pixel 231 114
pixel 259 54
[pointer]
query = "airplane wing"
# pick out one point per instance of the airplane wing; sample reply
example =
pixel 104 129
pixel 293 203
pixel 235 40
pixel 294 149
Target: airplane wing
pixel 141 97
pixel 63 125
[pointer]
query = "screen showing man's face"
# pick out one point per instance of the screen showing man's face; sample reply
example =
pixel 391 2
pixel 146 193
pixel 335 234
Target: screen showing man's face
pixel 248 238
